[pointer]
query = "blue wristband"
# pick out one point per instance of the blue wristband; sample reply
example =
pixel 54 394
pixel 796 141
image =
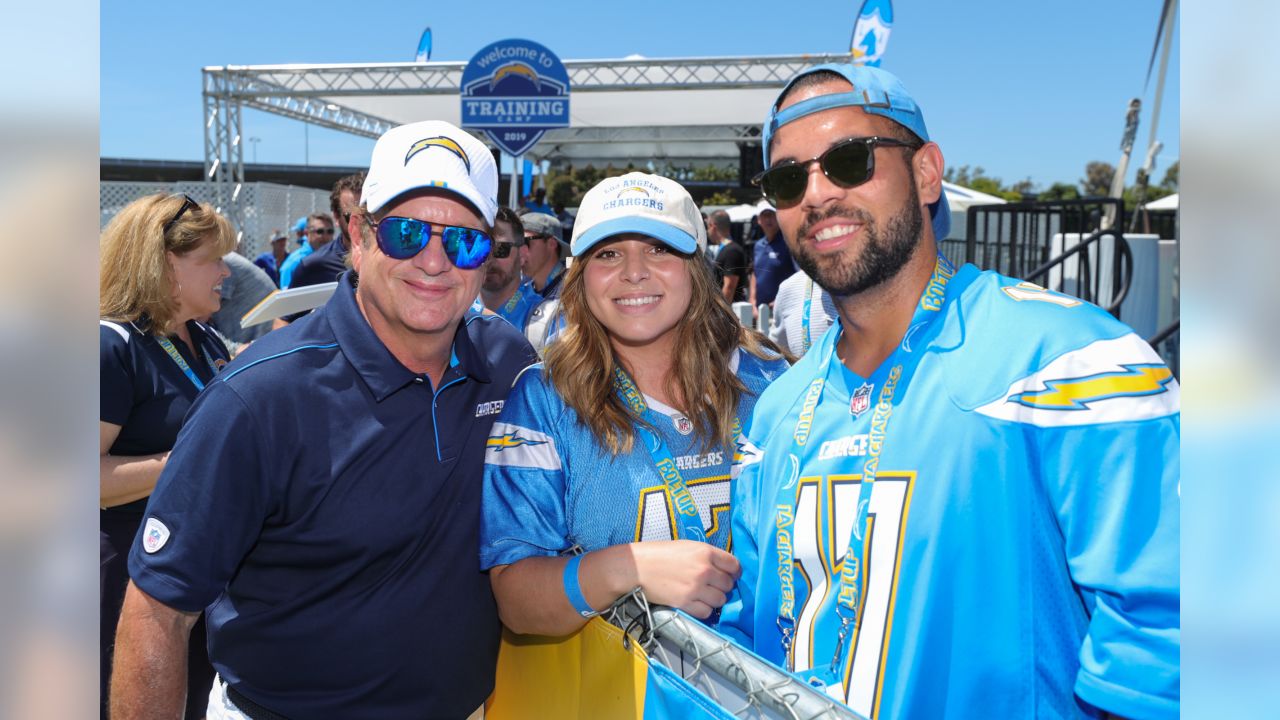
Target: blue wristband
pixel 573 590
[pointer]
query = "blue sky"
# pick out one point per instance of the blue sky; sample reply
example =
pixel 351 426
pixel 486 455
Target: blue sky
pixel 1021 88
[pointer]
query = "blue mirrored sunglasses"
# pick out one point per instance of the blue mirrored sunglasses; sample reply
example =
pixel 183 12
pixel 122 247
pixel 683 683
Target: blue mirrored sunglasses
pixel 402 238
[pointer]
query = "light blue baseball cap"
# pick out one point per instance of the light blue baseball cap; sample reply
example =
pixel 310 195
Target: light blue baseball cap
pixel 637 202
pixel 875 91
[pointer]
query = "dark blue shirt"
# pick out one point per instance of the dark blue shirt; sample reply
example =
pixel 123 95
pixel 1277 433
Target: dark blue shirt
pixel 772 265
pixel 267 261
pixel 333 525
pixel 321 266
pixel 145 392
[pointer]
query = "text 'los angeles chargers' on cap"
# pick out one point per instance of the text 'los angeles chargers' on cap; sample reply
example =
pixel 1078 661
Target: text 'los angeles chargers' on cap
pixel 639 203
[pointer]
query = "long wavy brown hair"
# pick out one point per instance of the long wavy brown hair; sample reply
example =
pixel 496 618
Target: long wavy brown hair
pixel 135 280
pixel 580 362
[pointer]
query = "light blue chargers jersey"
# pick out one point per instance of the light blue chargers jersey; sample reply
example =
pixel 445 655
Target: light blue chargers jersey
pixel 548 485
pixel 517 308
pixel 1021 553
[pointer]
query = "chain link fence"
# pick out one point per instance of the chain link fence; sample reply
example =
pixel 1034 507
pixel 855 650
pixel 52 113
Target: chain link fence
pixel 267 206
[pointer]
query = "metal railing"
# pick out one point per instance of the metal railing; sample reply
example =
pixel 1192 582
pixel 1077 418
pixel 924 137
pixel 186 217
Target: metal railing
pixel 1061 245
pixel 1090 271
pixel 1166 344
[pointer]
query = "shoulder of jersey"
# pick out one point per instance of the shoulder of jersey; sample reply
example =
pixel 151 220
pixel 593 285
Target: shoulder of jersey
pixel 538 395
pixel 758 373
pixel 1015 351
pixel 787 389
pixel 525 435
pixel 114 331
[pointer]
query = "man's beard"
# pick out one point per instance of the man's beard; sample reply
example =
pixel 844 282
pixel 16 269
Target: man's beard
pixel 495 280
pixel 883 254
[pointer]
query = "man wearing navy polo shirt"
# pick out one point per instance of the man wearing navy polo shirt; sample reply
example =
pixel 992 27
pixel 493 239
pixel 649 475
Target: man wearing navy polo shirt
pixel 330 536
pixel 773 262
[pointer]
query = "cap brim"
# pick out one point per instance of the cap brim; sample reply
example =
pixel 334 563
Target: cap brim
pixel 672 237
pixel 470 194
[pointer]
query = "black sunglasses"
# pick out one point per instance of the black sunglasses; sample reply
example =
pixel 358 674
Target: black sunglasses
pixel 187 203
pixel 320 231
pixel 402 238
pixel 848 163
pixel 503 249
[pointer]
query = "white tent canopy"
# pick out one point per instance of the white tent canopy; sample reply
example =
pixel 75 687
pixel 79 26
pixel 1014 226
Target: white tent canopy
pixel 961 198
pixel 1169 202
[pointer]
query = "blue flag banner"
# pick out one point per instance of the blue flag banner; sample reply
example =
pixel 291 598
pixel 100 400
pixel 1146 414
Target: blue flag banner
pixel 515 90
pixel 526 178
pixel 871 32
pixel 424 46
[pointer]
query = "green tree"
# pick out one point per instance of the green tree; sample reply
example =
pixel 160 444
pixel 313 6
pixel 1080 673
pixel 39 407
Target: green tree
pixel 1170 181
pixel 1060 191
pixel 1097 179
pixel 722 197
pixel 561 190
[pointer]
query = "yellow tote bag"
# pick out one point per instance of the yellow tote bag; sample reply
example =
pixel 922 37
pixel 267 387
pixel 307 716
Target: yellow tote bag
pixel 588 674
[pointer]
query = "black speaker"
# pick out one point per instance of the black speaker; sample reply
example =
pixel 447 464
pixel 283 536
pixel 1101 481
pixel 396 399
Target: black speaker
pixel 750 163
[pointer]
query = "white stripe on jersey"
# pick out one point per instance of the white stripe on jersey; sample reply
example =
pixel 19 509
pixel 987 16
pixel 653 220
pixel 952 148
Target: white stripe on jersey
pixel 515 446
pixel 1106 381
pixel 117 327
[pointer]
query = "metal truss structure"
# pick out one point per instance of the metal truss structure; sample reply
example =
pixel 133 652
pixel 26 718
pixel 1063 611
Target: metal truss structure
pixel 368 99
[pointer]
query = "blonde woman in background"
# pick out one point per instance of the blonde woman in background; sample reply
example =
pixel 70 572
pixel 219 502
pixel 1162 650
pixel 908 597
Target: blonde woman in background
pixel 160 268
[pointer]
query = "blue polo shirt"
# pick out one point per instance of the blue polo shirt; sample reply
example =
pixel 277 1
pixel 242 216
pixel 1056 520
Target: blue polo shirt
pixel 267 261
pixel 331 529
pixel 291 262
pixel 772 265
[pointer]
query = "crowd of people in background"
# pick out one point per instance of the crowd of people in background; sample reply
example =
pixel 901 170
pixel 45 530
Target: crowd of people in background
pixel 912 478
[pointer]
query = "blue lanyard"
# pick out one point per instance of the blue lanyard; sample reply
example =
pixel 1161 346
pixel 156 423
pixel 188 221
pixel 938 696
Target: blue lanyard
pixel 182 362
pixel 688 521
pixel 902 364
pixel 805 341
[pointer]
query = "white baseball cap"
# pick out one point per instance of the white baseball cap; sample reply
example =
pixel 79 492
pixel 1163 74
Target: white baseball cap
pixel 639 203
pixel 431 153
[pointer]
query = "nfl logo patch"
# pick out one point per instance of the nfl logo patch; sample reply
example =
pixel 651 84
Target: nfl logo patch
pixel 861 399
pixel 683 425
pixel 154 536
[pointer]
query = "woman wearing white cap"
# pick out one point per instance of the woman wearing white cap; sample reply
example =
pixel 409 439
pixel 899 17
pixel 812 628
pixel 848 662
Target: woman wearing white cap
pixel 627 433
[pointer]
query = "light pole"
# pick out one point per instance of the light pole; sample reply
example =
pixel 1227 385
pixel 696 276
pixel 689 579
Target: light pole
pixel 255 142
pixel 306 143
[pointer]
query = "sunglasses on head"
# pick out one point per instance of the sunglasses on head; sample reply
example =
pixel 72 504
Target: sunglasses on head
pixel 402 238
pixel 187 204
pixel 848 164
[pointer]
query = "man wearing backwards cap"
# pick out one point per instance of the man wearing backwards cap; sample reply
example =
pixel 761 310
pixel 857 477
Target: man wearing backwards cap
pixel 331 536
pixel 962 502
